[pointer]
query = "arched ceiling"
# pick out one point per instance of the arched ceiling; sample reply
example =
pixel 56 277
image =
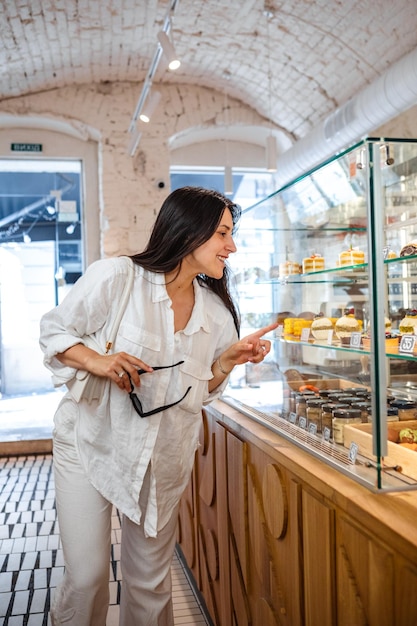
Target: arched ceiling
pixel 320 53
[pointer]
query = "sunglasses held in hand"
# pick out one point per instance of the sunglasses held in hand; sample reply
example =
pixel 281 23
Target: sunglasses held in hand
pixel 137 404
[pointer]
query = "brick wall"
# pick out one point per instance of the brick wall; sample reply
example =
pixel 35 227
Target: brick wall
pixel 130 197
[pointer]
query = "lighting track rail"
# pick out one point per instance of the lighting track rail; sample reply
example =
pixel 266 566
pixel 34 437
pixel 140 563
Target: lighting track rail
pixel 133 130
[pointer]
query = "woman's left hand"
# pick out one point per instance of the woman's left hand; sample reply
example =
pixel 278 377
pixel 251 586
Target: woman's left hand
pixel 252 349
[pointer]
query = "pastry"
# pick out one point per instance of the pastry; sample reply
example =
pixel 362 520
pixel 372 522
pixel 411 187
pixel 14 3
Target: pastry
pixel 289 267
pixel 351 257
pixel 408 323
pixel 409 249
pixel 408 435
pixel 289 325
pixel 320 327
pixel 391 342
pixel 313 263
pixel 346 325
pixel 299 324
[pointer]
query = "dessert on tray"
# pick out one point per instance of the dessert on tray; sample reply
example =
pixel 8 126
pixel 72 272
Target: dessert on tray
pixel 313 263
pixel 346 325
pixel 320 327
pixel 353 256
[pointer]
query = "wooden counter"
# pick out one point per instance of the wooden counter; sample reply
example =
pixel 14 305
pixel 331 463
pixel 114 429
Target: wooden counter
pixel 273 536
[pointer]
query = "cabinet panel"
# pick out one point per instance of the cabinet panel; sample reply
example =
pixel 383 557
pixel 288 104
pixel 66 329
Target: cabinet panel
pixel 275 582
pixel 318 553
pixel 213 566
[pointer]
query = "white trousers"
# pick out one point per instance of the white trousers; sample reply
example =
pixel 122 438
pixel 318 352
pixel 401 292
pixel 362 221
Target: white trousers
pixel 84 518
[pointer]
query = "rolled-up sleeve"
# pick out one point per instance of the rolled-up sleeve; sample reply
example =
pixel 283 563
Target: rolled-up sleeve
pixel 84 311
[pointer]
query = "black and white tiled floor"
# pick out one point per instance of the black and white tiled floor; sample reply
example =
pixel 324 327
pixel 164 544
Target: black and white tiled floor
pixel 31 563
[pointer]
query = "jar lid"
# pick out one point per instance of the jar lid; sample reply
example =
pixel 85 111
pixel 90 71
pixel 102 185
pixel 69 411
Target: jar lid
pixel 361 405
pixel 346 413
pixel 325 392
pixel 404 404
pixel 315 402
pixel 330 406
pixel 349 399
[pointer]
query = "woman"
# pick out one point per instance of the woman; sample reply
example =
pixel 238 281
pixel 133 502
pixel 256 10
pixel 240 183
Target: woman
pixel 134 448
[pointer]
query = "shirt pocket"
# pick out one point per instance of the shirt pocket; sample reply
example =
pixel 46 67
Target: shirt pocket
pixel 195 374
pixel 138 341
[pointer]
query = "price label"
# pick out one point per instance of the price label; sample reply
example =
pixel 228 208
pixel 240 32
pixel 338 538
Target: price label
pixel 305 334
pixel 292 418
pixel 312 429
pixel 407 344
pixel 385 251
pixel 302 422
pixel 355 340
pixel 353 452
pixel 279 331
pixel 330 337
pixel 326 433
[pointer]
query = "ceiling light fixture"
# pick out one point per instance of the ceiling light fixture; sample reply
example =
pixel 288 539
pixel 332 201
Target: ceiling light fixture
pixel 169 50
pixel 150 106
pixel 271 141
pixel 134 140
pixel 228 173
pixel 271 153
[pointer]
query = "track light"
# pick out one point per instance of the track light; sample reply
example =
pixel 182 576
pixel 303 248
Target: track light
pixel 71 228
pixel 271 154
pixel 169 51
pixel 228 181
pixel 134 141
pixel 150 107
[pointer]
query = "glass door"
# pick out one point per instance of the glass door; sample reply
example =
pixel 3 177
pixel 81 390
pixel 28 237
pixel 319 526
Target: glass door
pixel 40 258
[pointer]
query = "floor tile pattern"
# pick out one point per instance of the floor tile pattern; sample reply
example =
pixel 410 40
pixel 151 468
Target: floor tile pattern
pixel 31 562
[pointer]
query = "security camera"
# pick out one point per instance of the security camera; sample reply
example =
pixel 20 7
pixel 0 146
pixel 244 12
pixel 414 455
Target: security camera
pixel 161 184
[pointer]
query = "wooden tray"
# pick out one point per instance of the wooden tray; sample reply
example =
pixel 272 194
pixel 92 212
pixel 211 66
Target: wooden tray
pixel 361 434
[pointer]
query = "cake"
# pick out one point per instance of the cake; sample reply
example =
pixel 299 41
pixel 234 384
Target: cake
pixel 346 325
pixel 289 325
pixel 289 267
pixel 353 256
pixel 299 324
pixel 391 342
pixel 320 327
pixel 408 323
pixel 313 263
pixel 409 249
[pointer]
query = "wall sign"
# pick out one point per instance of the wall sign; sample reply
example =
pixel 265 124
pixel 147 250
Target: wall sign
pixel 26 147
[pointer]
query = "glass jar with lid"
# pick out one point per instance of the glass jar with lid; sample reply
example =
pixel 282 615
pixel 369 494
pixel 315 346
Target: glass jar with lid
pixel 363 407
pixel 314 412
pixel 300 402
pixel 342 417
pixel 327 414
pixel 407 409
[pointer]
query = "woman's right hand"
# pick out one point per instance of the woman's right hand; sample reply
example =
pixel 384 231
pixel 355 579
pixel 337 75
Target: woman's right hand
pixel 114 366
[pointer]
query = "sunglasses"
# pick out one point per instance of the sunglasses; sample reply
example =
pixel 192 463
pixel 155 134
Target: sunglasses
pixel 137 404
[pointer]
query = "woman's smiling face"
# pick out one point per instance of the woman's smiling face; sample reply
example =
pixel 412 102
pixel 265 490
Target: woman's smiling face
pixel 210 257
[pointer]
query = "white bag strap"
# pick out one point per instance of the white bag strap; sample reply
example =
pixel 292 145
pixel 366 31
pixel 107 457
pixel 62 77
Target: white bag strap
pixel 123 302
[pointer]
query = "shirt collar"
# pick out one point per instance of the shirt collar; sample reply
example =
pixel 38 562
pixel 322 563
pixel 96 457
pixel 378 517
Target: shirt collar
pixel 199 318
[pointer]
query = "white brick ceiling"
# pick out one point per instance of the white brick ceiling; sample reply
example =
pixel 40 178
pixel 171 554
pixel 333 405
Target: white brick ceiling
pixel 322 52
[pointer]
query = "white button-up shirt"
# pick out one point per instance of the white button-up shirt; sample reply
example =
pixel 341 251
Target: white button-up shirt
pixel 115 444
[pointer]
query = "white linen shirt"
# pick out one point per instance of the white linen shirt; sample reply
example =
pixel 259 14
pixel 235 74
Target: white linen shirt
pixel 115 444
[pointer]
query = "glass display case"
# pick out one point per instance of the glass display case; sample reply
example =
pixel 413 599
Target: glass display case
pixel 332 256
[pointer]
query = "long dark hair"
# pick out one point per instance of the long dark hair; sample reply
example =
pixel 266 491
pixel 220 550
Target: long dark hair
pixel 188 217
